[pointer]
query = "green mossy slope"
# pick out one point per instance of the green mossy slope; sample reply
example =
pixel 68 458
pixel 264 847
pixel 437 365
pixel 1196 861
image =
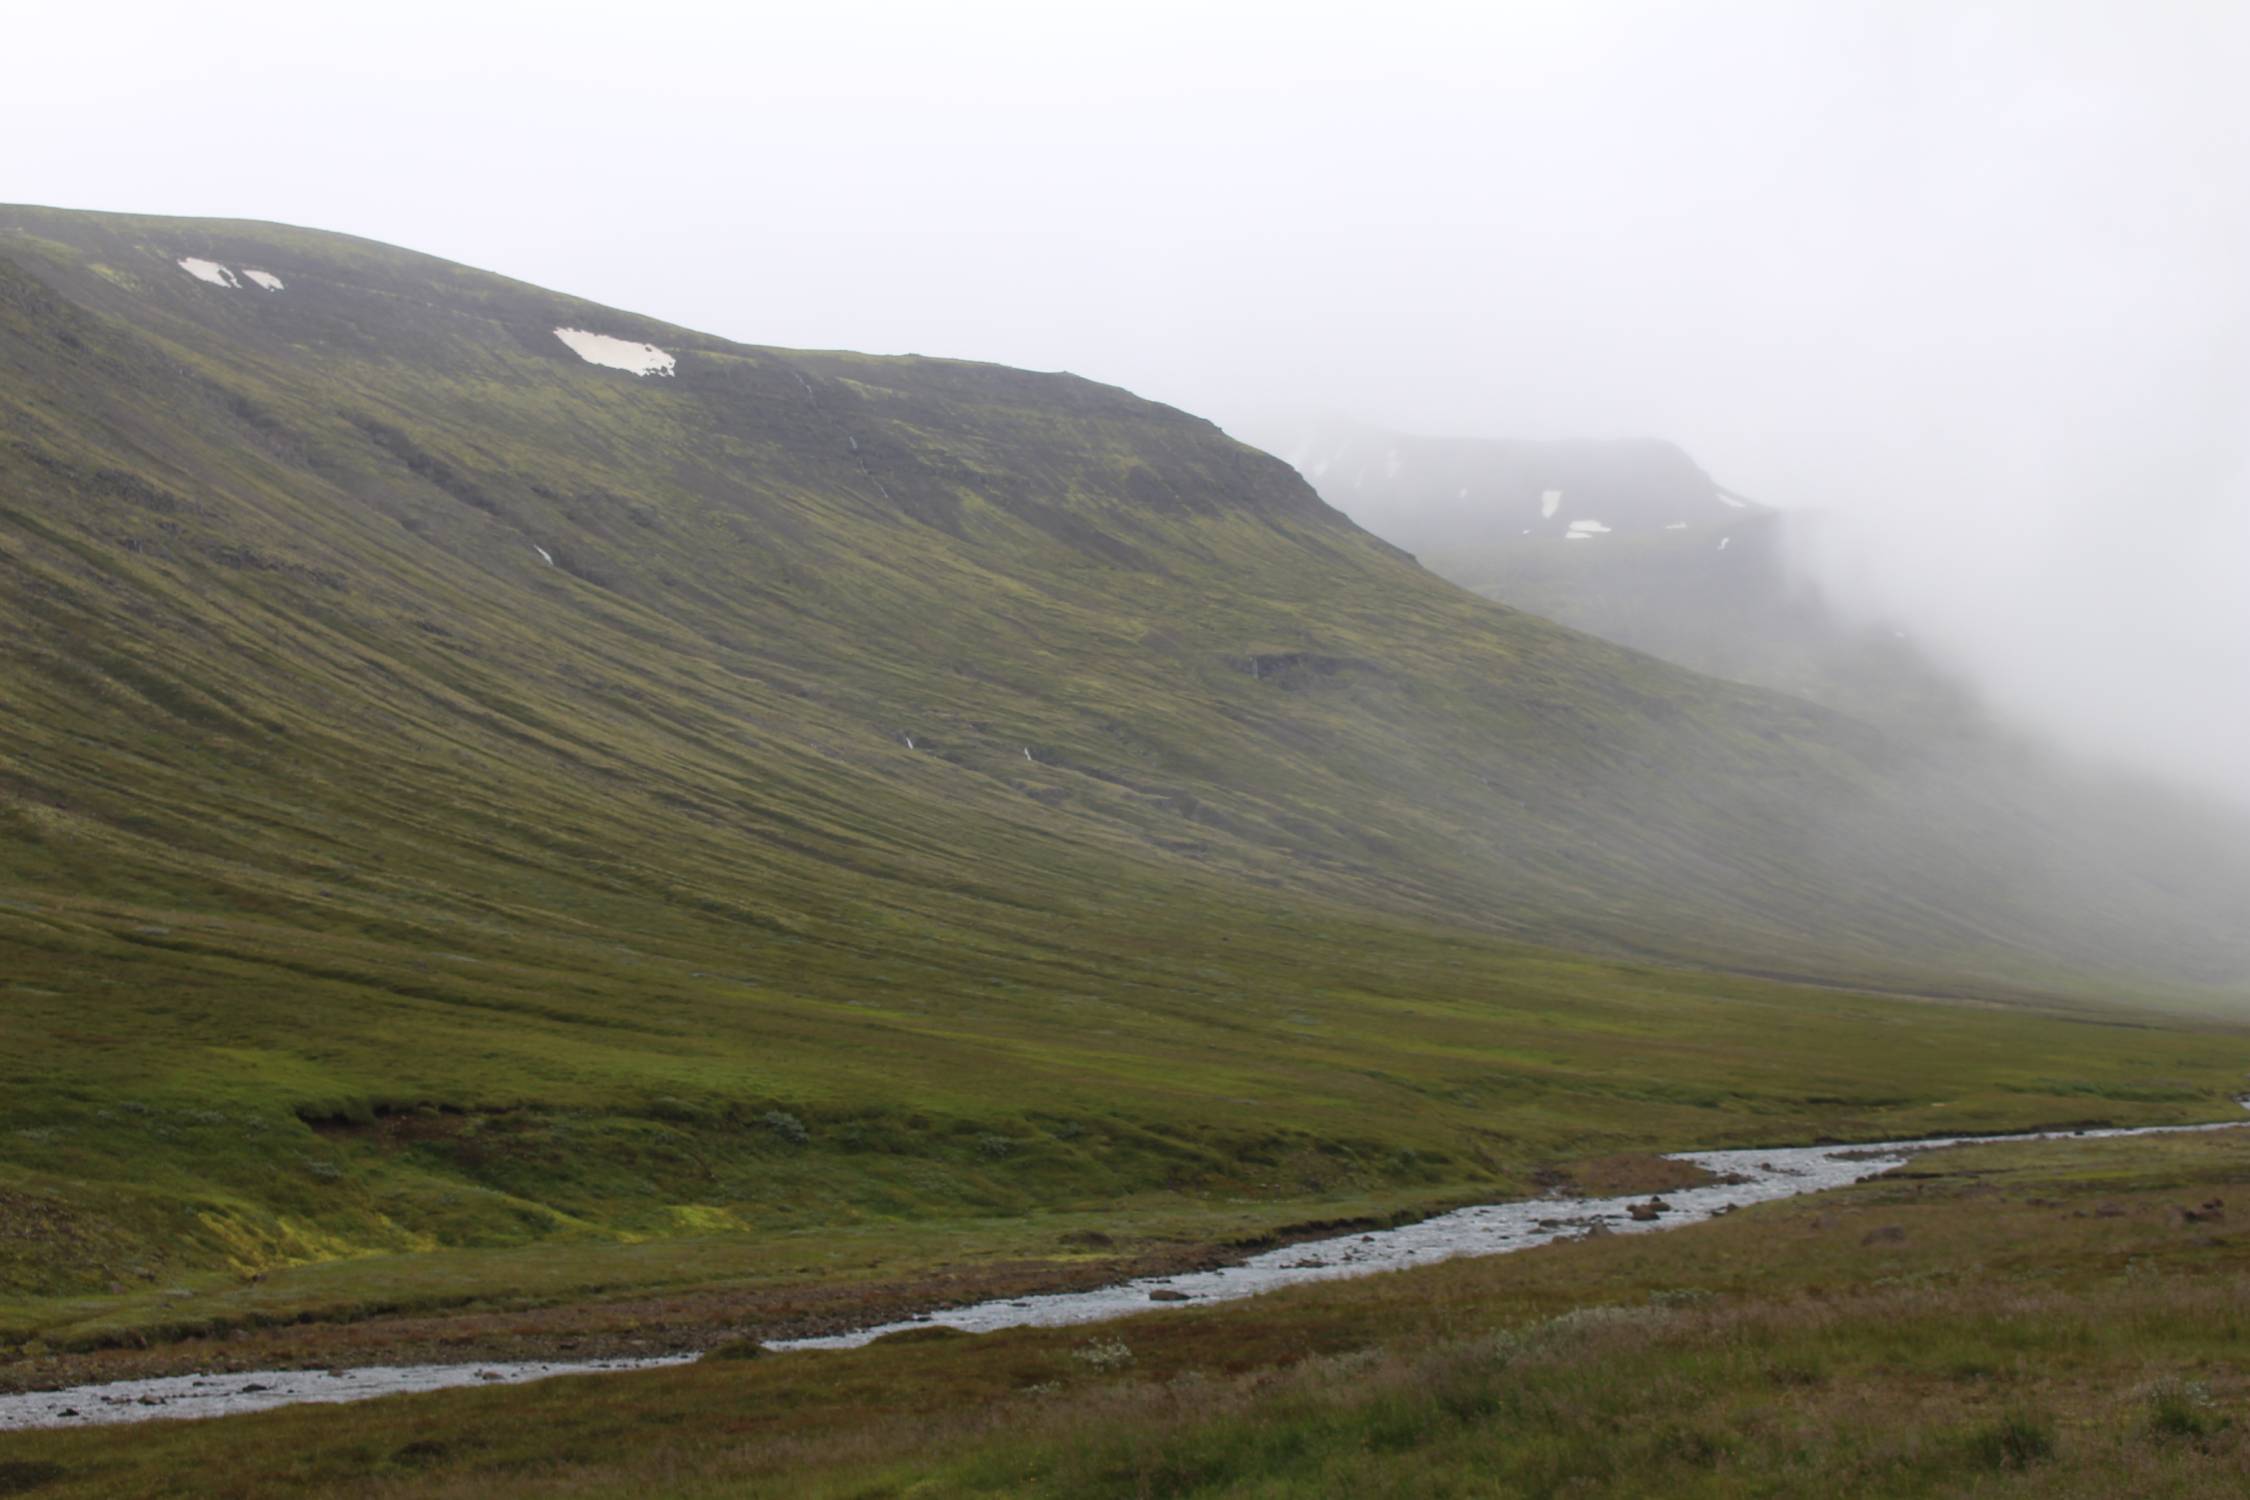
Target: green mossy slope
pixel 402 719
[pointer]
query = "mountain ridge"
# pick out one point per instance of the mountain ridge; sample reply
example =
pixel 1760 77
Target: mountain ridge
pixel 1434 490
pixel 1044 488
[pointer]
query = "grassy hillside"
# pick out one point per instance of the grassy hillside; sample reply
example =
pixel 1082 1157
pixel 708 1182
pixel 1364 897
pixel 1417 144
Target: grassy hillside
pixel 454 795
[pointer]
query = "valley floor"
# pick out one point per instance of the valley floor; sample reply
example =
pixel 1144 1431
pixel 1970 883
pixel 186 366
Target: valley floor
pixel 708 1292
pixel 2064 1318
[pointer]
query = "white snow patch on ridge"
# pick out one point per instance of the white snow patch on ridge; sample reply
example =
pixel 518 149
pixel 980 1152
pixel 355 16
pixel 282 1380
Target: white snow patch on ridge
pixel 616 353
pixel 266 279
pixel 547 556
pixel 1580 530
pixel 209 270
pixel 1549 502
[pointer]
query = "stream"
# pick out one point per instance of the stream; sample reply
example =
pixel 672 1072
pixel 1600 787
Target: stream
pixel 1754 1175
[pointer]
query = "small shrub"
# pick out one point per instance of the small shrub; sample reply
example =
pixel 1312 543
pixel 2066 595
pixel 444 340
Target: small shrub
pixel 1103 1354
pixel 21 1478
pixel 2183 1408
pixel 1681 1443
pixel 1506 1345
pixel 787 1126
pixel 1802 1371
pixel 737 1349
pixel 2016 1441
pixel 1580 1321
pixel 927 1333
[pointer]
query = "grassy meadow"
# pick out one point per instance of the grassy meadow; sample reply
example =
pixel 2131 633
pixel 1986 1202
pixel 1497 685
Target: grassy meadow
pixel 2009 1319
pixel 186 1179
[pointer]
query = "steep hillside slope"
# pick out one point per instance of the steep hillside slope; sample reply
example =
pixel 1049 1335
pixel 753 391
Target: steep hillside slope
pixel 377 544
pixel 458 779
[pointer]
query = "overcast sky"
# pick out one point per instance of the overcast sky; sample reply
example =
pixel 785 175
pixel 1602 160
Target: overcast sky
pixel 1973 274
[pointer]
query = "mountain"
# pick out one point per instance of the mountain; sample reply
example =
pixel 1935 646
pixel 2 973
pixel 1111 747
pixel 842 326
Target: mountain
pixel 1634 542
pixel 1627 539
pixel 308 536
pixel 1450 491
pixel 490 756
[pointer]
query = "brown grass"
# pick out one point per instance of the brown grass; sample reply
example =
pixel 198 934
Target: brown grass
pixel 2011 1339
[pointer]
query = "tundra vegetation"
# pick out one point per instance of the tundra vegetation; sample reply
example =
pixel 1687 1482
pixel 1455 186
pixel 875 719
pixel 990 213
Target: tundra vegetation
pixel 502 852
pixel 2018 1319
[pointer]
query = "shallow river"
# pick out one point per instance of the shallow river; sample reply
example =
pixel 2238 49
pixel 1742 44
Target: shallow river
pixel 1760 1175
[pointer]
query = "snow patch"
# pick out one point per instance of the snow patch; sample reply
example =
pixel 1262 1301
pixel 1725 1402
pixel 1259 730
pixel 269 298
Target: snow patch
pixel 544 555
pixel 1677 526
pixel 266 279
pixel 1728 499
pixel 1579 529
pixel 209 270
pixel 1723 542
pixel 616 353
pixel 1549 503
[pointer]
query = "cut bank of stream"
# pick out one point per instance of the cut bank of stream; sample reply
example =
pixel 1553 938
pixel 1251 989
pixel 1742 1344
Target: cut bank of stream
pixel 1741 1178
